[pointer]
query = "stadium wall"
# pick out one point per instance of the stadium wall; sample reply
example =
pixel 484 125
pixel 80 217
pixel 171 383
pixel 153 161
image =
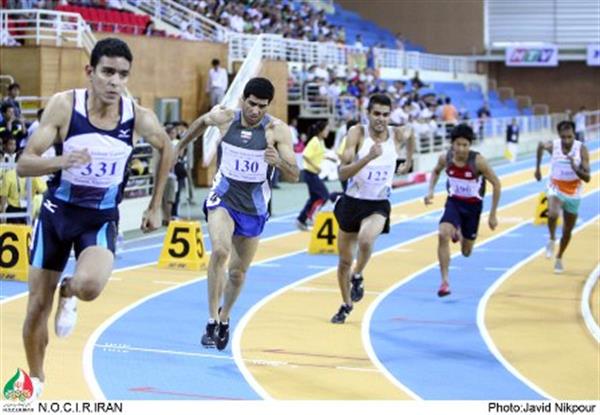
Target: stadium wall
pixel 568 86
pixel 445 27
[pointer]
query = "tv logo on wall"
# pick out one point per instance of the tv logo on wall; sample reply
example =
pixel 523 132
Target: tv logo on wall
pixel 593 55
pixel 546 55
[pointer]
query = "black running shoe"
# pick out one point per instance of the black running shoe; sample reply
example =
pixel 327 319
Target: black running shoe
pixel 357 289
pixel 222 335
pixel 208 338
pixel 340 316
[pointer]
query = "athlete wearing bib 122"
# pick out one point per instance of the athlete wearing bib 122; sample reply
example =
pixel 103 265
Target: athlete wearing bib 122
pixel 80 207
pixel 368 192
pixel 242 184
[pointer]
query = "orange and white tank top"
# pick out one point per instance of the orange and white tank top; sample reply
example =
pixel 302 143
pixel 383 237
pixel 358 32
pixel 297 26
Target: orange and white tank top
pixel 562 176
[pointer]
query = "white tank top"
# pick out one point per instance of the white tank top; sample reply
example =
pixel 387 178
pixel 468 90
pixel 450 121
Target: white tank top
pixel 562 175
pixel 374 181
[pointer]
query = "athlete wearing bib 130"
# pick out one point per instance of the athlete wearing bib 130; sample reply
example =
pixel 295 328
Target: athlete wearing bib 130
pixel 242 184
pixel 569 167
pixel 80 206
pixel 252 145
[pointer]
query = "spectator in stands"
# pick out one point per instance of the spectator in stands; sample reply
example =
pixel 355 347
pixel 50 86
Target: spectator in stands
pixel 10 126
pixel 13 193
pixel 483 114
pixel 400 41
pixel 149 29
pixel 189 33
pixel 580 126
pixel 512 140
pixel 358 43
pixel 449 112
pixel 10 150
pixel 14 90
pixel 217 83
pixel 416 82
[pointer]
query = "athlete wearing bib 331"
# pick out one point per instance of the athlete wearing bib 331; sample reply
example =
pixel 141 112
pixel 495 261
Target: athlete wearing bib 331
pixel 363 212
pixel 569 166
pixel 93 132
pixel 466 171
pixel 252 145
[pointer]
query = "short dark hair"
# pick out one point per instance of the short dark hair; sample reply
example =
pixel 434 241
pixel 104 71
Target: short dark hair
pixel 14 85
pixel 462 131
pixel 317 128
pixel 261 88
pixel 111 47
pixel 5 106
pixel 215 62
pixel 380 99
pixel 565 125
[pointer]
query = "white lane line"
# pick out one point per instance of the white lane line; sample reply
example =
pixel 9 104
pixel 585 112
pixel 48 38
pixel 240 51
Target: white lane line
pixel 125 348
pixel 586 312
pixel 496 268
pixel 482 307
pixel 326 290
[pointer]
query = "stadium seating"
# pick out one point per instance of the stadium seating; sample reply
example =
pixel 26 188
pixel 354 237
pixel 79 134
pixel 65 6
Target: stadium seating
pixel 107 20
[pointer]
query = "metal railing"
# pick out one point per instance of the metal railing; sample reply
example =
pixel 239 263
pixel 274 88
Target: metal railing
pixel 47 27
pixel 177 15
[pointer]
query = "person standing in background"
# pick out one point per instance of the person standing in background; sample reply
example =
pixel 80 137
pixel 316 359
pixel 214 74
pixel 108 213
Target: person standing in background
pixel 512 140
pixel 217 83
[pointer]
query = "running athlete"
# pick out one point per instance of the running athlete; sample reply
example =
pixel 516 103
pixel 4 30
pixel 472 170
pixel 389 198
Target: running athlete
pixel 363 212
pixel 93 132
pixel 570 164
pixel 253 144
pixel 466 170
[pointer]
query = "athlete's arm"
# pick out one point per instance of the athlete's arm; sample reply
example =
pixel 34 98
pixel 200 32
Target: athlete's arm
pixel 490 175
pixel 407 136
pixel 56 116
pixel 147 126
pixel 350 168
pixel 280 152
pixel 583 170
pixel 538 159
pixel 217 116
pixel 435 176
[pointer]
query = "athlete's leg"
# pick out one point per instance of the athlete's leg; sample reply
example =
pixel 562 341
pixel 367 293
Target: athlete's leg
pixel 346 245
pixel 466 246
pixel 242 255
pixel 220 231
pixel 554 205
pixel 42 284
pixel 370 228
pixel 92 271
pixel 569 221
pixel 446 230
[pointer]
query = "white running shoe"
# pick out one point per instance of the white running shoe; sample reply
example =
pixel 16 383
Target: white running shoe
pixel 558 266
pixel 550 249
pixel 38 388
pixel 66 315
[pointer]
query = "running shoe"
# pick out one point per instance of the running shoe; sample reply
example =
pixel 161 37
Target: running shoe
pixel 66 313
pixel 340 316
pixel 303 226
pixel 38 388
pixel 558 266
pixel 444 289
pixel 357 289
pixel 208 338
pixel 222 335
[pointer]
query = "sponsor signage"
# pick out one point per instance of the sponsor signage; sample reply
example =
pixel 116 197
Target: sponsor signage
pixel 544 55
pixel 593 55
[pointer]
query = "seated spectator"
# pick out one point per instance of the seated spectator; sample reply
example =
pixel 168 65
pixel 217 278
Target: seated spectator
pixel 416 82
pixel 449 112
pixel 10 126
pixel 14 91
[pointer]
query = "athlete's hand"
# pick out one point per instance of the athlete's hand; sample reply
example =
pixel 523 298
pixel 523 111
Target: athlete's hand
pixel 492 221
pixel 271 155
pixel 428 199
pixel 150 220
pixel 218 115
pixel 404 168
pixel 76 158
pixel 572 161
pixel 538 175
pixel 375 151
